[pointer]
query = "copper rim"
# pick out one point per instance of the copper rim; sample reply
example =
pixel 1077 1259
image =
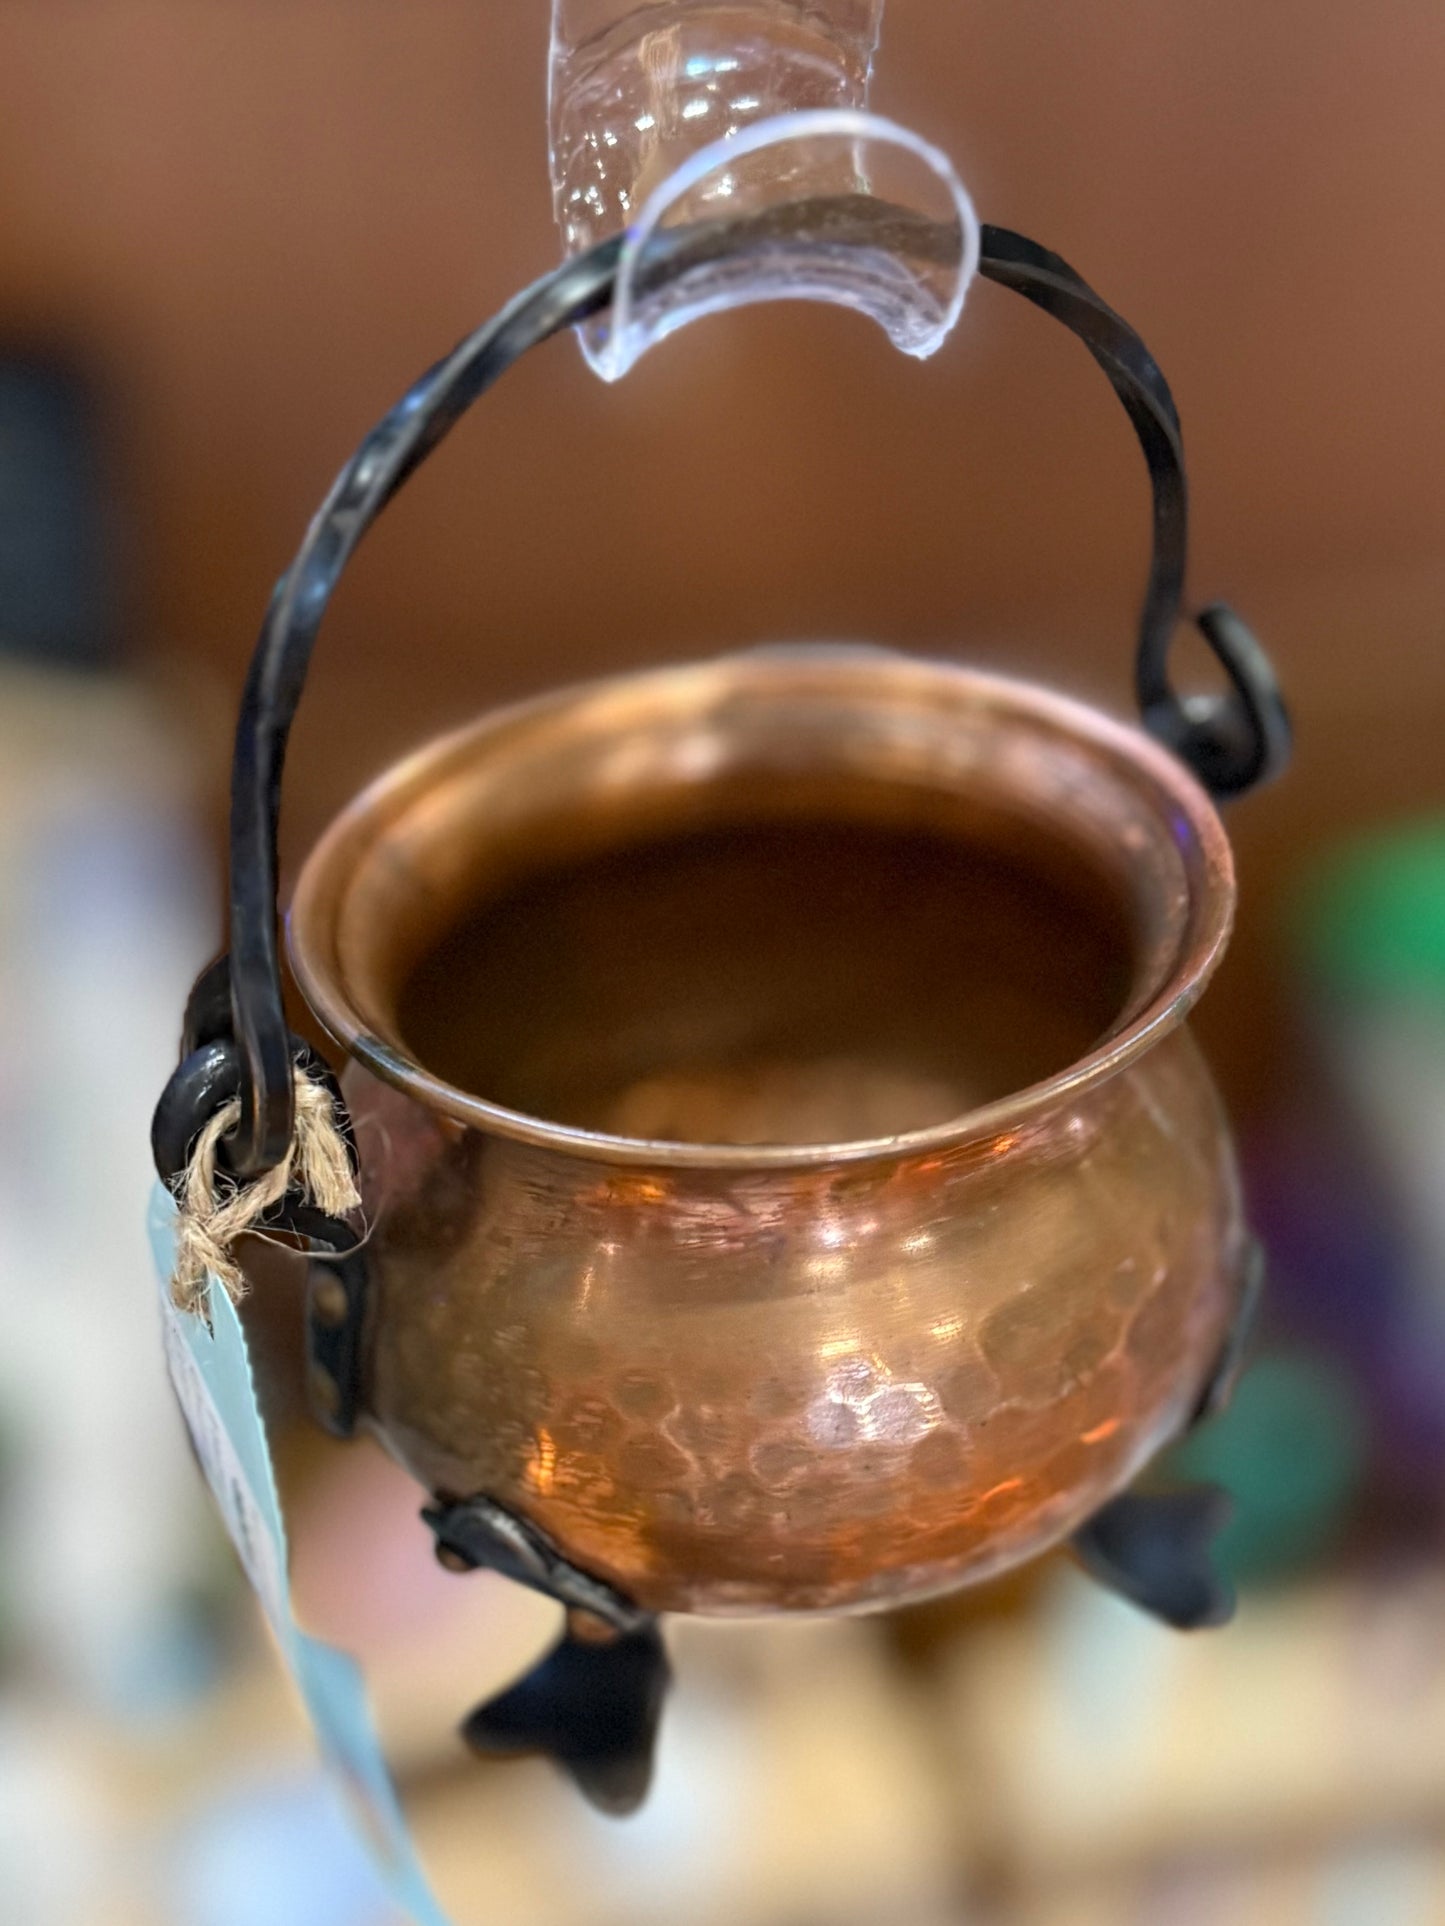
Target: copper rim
pixel 1129 754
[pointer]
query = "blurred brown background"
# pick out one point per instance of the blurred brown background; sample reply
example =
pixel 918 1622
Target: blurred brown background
pixel 249 224
pixel 256 223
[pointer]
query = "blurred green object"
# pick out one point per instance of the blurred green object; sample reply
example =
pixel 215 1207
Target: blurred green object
pixel 1373 917
pixel 1290 1450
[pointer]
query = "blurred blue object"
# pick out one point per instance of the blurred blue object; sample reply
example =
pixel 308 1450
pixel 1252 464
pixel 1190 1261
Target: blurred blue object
pixel 282 1852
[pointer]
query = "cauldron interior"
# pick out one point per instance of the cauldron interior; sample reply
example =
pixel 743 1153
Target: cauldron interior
pixel 833 970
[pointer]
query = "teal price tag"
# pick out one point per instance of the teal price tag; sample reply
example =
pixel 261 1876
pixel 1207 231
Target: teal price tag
pixel 211 1372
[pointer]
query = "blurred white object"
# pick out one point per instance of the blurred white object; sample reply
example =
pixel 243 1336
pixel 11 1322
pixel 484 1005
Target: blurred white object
pixel 1097 1740
pixel 105 916
pixel 52 1823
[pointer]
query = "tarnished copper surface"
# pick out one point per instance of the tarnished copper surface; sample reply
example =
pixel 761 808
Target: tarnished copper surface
pixel 825 1206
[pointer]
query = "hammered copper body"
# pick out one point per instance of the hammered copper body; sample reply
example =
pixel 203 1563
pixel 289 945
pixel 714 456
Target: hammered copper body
pixel 793 1184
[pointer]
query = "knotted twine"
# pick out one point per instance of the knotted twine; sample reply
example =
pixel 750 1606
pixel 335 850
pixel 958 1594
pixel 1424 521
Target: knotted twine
pixel 215 1210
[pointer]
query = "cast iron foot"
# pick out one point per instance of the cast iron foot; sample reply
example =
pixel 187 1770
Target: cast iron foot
pixel 592 1707
pixel 1156 1549
pixel 594 1703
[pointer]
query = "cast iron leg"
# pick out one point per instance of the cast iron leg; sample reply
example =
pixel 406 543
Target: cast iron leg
pixel 593 1704
pixel 1156 1549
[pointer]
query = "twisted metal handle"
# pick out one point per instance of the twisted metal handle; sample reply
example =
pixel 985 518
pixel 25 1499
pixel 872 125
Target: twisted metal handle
pixel 1231 741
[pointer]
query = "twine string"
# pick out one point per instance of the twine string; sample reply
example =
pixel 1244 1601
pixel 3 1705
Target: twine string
pixel 215 1210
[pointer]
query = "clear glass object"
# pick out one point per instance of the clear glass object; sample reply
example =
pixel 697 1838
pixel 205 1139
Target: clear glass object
pixel 636 89
pixel 845 208
pixel 682 111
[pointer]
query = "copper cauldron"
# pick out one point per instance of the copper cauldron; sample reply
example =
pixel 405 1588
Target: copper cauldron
pixel 787 1180
pixel 792 1184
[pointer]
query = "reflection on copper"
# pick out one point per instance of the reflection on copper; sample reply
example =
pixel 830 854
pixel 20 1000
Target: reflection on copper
pixel 831 1349
pixel 544 1461
pixel 1100 1432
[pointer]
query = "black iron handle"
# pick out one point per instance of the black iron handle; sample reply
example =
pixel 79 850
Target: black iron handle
pixel 1230 741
